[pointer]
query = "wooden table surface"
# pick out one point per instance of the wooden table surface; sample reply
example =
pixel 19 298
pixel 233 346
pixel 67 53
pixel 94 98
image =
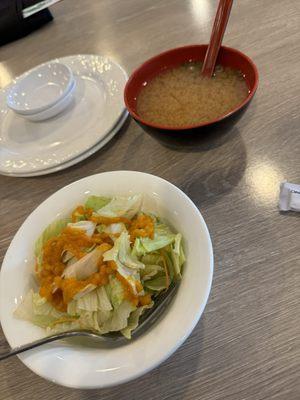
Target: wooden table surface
pixel 246 345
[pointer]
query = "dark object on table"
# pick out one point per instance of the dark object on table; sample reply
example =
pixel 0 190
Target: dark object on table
pixel 12 24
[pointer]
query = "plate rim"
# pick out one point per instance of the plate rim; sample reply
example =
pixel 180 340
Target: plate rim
pixel 81 157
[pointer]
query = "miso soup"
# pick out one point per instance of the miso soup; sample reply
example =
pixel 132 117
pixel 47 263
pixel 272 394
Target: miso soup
pixel 182 96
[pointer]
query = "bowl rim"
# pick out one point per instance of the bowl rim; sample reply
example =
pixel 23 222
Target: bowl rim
pixel 59 107
pixel 27 75
pixel 151 362
pixel 195 126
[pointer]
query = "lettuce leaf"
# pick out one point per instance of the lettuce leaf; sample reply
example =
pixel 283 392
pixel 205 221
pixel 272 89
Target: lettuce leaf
pixel 133 320
pixel 138 248
pixel 102 317
pixel 156 284
pixel 106 321
pixel 177 255
pixel 88 302
pixel 153 258
pixel 63 327
pixel 96 202
pixel 115 291
pixel 92 311
pixel 163 236
pixel 122 207
pixel 114 229
pixel 52 230
pixel 119 318
pixel 122 245
pixel 67 257
pixel 87 226
pixel 84 267
pixel 103 299
pixel 104 309
pixel 127 265
pixel 96 300
pixel 167 254
pixel 86 290
pixel 38 310
pixel 150 271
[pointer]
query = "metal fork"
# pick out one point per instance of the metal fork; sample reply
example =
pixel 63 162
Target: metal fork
pixel 146 320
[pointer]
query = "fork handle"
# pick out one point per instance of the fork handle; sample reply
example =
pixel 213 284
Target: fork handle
pixel 39 342
pixel 155 313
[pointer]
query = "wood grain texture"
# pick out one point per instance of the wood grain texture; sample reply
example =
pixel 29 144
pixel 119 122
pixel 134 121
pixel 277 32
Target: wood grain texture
pixel 247 343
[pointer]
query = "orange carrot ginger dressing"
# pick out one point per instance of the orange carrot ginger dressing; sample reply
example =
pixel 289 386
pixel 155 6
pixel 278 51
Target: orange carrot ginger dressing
pixel 141 226
pixel 75 241
pixel 81 211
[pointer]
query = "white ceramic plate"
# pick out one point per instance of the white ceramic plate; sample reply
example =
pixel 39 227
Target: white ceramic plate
pixel 81 366
pixel 27 146
pixel 79 158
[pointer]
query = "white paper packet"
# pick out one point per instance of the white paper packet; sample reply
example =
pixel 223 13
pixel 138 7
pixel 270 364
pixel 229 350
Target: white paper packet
pixel 289 197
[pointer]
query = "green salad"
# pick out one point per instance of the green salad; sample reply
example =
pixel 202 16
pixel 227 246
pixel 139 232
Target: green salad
pixel 102 267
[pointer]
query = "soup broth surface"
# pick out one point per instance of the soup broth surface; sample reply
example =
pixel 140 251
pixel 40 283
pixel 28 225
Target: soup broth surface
pixel 182 96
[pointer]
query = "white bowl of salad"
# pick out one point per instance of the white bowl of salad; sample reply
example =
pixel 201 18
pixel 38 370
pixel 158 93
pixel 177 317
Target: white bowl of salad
pixel 95 255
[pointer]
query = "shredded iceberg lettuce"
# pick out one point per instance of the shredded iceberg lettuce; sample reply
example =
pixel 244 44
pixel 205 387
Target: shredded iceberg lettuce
pixel 126 207
pixel 128 265
pixel 87 226
pixel 156 284
pixel 52 230
pixel 84 267
pixel 177 255
pixel 97 202
pixel 151 270
pixel 163 236
pixel 133 320
pixel 38 310
pixel 115 292
pixel 140 266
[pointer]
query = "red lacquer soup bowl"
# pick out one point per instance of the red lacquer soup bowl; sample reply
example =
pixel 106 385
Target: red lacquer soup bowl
pixel 227 57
